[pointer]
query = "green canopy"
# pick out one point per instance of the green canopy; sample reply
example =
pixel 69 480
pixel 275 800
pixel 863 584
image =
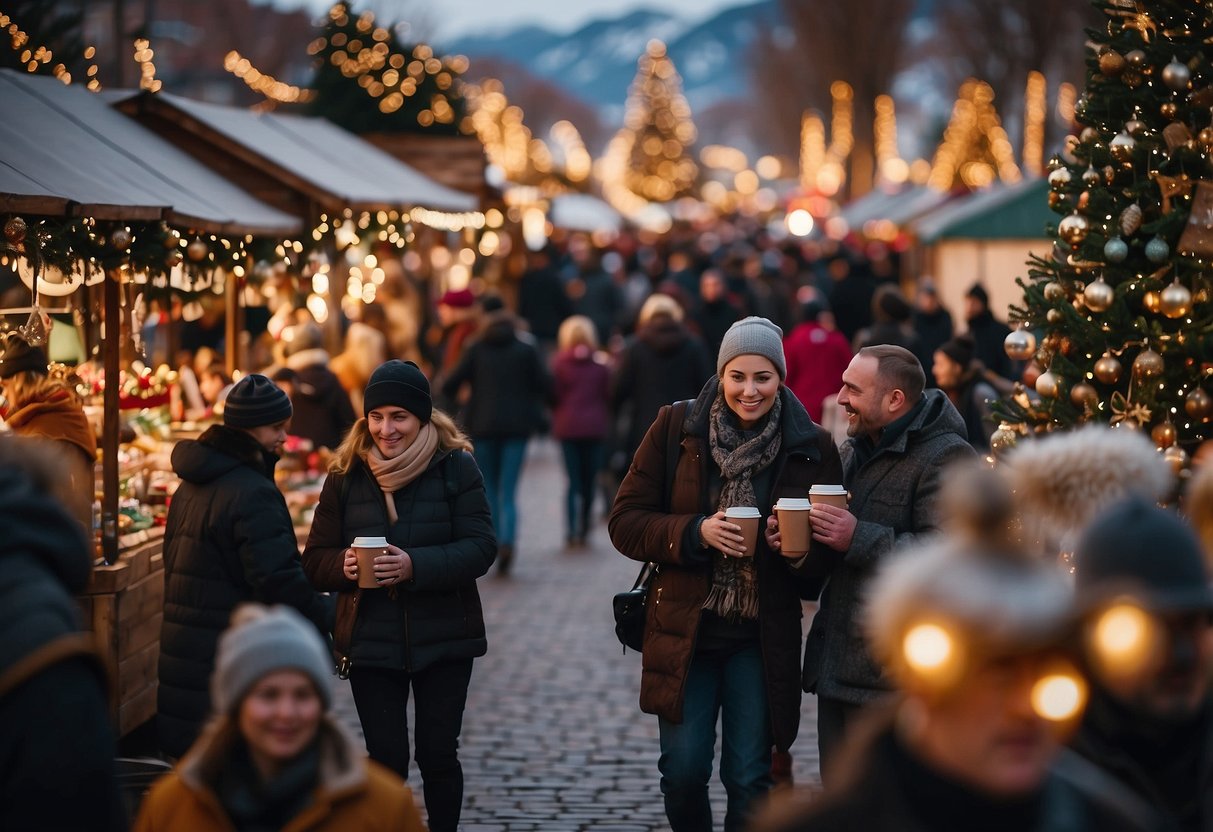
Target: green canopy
pixel 1003 212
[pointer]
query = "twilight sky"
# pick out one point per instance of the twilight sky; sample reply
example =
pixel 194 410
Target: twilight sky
pixel 452 18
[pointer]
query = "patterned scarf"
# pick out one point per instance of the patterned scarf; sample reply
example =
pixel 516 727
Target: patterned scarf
pixel 395 473
pixel 739 454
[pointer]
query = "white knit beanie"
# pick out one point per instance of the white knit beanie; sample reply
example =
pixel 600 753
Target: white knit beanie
pixel 753 336
pixel 263 640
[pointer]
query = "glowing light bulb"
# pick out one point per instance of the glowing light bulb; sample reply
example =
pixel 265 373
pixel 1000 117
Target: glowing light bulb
pixel 928 647
pixel 1059 696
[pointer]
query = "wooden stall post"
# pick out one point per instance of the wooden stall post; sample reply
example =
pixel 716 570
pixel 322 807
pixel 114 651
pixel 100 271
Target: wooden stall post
pixel 111 353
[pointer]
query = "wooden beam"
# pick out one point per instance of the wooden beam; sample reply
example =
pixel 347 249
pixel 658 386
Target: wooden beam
pixel 110 350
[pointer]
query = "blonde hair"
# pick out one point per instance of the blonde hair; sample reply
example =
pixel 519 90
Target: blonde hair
pixel 659 304
pixel 577 329
pixel 22 388
pixel 358 441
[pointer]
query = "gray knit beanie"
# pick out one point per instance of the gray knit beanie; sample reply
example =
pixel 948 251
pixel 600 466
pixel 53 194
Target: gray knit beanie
pixel 263 640
pixel 753 336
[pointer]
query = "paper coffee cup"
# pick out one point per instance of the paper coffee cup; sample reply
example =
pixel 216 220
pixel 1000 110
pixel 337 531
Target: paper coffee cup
pixel 748 518
pixel 794 529
pixel 830 495
pixel 367 549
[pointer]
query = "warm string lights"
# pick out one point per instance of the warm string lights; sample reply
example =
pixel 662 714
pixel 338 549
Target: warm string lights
pixel 499 126
pixel 265 84
pixel 577 161
pixel 391 77
pixel 1035 109
pixel 37 57
pixel 812 150
pixel 975 149
pixel 889 164
pixel 147 69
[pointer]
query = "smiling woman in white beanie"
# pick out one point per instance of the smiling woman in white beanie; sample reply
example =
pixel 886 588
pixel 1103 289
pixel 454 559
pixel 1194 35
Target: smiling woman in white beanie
pixel 725 637
pixel 274 757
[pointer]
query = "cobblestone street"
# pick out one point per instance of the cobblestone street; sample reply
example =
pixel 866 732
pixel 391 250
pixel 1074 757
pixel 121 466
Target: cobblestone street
pixel 553 738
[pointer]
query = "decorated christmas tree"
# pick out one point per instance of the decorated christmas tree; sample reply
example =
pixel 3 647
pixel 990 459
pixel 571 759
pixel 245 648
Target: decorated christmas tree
pixel 367 80
pixel 1122 304
pixel 658 131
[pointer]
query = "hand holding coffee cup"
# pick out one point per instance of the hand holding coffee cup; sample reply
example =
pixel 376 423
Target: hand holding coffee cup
pixel 832 523
pixel 723 533
pixel 747 519
pixel 792 514
pixel 377 563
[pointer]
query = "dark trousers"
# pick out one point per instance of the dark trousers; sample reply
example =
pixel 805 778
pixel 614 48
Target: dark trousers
pixel 439 694
pixel 834 719
pixel 582 462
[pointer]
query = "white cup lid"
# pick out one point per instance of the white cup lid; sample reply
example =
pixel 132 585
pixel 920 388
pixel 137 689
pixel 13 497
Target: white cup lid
pixel 369 542
pixel 827 489
pixel 742 511
pixel 793 503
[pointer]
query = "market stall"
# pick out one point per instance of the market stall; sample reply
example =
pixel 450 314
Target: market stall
pixel 98 214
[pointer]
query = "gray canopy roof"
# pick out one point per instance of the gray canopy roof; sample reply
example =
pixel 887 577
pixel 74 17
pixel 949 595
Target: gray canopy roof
pixel 63 150
pixel 314 155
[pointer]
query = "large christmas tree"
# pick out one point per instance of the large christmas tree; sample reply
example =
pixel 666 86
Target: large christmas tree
pixel 1123 303
pixel 658 130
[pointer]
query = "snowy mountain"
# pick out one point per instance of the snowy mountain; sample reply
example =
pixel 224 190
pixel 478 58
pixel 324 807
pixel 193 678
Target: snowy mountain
pixel 597 62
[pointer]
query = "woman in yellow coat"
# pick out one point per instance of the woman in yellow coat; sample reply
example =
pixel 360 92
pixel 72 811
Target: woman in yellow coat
pixel 274 758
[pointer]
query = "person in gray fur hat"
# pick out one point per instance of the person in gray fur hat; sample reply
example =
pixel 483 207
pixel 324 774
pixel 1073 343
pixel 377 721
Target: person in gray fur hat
pixel 723 644
pixel 274 756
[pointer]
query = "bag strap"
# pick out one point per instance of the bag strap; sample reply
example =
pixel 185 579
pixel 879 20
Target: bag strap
pixel 673 447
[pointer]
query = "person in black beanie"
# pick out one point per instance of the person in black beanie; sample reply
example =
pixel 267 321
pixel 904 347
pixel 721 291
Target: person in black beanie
pixel 959 376
pixel 229 539
pixel 1150 721
pixel 989 334
pixel 405 474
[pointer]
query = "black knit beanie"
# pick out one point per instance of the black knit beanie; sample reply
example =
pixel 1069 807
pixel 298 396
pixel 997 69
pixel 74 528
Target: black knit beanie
pixel 399 384
pixel 960 349
pixel 20 357
pixel 255 401
pixel 1135 546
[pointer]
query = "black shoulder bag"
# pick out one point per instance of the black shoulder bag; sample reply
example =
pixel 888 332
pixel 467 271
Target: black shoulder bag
pixel 629 606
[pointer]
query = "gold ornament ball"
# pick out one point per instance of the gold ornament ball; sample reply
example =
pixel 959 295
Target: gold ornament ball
pixel 1177 457
pixel 1073 229
pixel 1107 369
pixel 1164 434
pixel 172 239
pixel 121 238
pixel 1169 110
pixel 1020 345
pixel 1003 439
pixel 1059 178
pixel 173 258
pixel 1152 301
pixel 1205 136
pixel 1091 177
pixel 1198 404
pixel 15 230
pixel 1136 58
pixel 1111 62
pixel 1122 146
pixel 198 250
pixel 1099 296
pixel 1175 301
pixel 1054 316
pixel 1084 395
pixel 1047 385
pixel 1088 135
pixel 1135 126
pixel 1054 291
pixel 1148 364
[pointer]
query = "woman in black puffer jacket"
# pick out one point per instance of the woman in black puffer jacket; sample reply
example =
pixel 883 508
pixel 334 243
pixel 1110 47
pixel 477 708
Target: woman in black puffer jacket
pixel 404 472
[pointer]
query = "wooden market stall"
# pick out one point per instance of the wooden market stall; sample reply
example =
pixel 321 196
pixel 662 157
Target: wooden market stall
pixel 79 173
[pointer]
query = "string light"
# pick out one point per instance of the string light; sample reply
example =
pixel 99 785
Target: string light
pixel 1035 109
pixel 265 84
pixel 812 149
pixel 889 164
pixel 147 69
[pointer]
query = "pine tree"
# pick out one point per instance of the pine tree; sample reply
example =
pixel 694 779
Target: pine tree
pixel 1123 301
pixel 368 81
pixel 658 130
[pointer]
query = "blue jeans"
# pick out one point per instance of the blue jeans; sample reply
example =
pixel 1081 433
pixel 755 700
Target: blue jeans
pixel 500 462
pixel 582 462
pixel 731 686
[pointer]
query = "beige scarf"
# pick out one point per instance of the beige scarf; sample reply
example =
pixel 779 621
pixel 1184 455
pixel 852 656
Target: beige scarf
pixel 395 473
